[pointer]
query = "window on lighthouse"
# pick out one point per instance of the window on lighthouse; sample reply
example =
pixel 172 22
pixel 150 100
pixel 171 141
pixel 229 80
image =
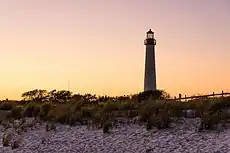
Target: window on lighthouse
pixel 150 36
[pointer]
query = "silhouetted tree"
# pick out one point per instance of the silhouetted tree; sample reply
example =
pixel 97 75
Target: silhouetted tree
pixel 77 97
pixel 122 98
pixel 35 95
pixel 157 94
pixel 64 96
pixel 59 96
pixel 103 98
pixel 90 97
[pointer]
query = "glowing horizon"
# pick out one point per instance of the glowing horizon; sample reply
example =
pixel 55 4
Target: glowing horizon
pixel 99 46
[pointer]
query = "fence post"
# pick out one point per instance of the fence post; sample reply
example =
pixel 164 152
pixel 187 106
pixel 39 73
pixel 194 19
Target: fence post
pixel 179 97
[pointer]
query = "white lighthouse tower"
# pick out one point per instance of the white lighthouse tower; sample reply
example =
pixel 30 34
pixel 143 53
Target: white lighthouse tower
pixel 150 68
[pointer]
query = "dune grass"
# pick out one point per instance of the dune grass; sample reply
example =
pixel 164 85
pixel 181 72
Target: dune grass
pixel 152 110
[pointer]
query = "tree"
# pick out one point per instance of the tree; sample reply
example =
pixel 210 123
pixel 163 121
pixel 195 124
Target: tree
pixel 90 97
pixel 35 95
pixel 59 96
pixel 157 94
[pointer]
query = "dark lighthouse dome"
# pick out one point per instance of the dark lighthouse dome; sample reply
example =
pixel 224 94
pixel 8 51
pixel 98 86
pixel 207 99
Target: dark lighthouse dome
pixel 150 32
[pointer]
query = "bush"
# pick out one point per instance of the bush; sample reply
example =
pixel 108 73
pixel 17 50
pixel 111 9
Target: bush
pixel 31 110
pixel 18 131
pixel 149 108
pixel 63 118
pixel 72 120
pixel 22 121
pixel 87 111
pixel 106 127
pixel 23 128
pixel 176 108
pixel 45 108
pixel 149 124
pixel 17 112
pixel 44 111
pixel 160 121
pixel 48 127
pixel 132 113
pixel 15 144
pixel 5 115
pixel 53 126
pixel 6 140
pixel 6 125
pixel 6 106
pixel 75 117
pixel 209 120
pixel 219 105
pixel 159 114
pixel 163 120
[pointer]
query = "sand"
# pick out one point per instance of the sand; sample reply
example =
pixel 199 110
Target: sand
pixel 183 138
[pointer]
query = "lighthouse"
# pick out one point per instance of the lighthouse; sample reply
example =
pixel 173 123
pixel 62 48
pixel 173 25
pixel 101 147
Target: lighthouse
pixel 150 68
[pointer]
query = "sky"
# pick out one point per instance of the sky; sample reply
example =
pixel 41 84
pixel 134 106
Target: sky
pixel 97 46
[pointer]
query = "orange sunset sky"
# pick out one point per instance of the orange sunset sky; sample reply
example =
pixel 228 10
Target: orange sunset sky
pixel 98 45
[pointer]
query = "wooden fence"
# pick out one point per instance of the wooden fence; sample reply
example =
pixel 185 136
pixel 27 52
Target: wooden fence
pixel 213 95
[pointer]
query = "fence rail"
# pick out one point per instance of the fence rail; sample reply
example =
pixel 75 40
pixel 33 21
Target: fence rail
pixel 213 95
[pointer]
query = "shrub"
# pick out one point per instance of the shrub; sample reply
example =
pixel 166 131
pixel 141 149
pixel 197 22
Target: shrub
pixel 213 113
pixel 126 106
pixel 48 127
pixel 6 106
pixel 59 113
pixel 5 115
pixel 161 117
pixel 132 113
pixel 158 94
pixel 106 127
pixel 72 121
pixel 219 105
pixel 160 122
pixel 44 111
pixel 78 116
pixel 176 108
pixel 22 121
pixel 163 120
pixel 31 110
pixel 18 131
pixel 6 140
pixel 45 108
pixel 23 128
pixel 6 125
pixel 30 125
pixel 209 120
pixel 149 108
pixel 97 120
pixel 17 112
pixel 43 140
pixel 63 118
pixel 149 124
pixel 75 117
pixel 16 124
pixel 87 111
pixel 15 144
pixel 53 126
